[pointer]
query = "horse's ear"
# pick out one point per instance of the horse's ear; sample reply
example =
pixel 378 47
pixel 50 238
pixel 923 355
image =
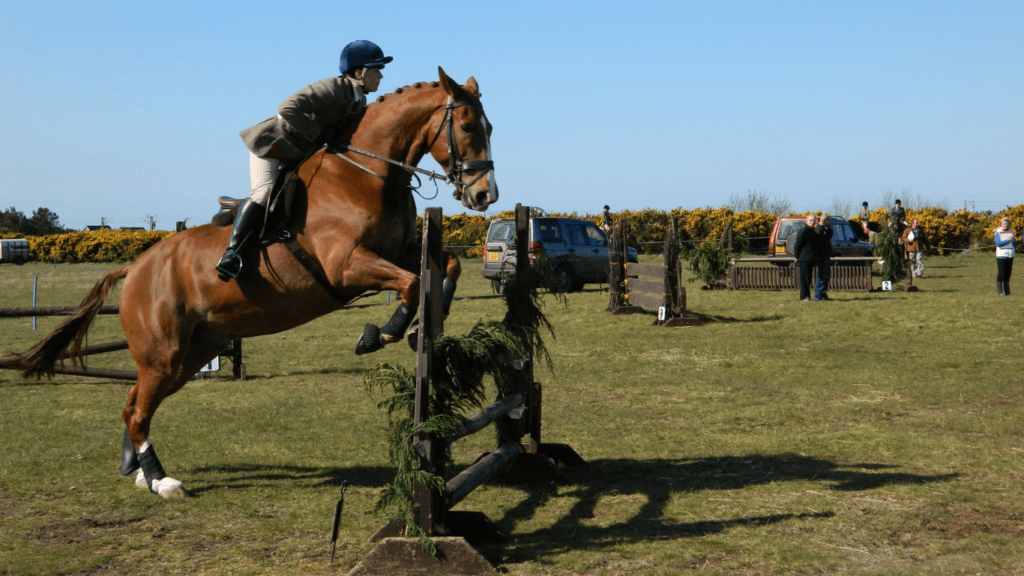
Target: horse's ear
pixel 446 82
pixel 472 87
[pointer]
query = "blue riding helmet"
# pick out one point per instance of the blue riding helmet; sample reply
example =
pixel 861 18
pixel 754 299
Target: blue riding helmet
pixel 362 54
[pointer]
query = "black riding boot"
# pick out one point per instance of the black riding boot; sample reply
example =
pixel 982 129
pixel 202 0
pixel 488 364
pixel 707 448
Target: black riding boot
pixel 1006 287
pixel 247 225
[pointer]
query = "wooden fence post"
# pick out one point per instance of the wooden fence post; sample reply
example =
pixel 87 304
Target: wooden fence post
pixel 427 508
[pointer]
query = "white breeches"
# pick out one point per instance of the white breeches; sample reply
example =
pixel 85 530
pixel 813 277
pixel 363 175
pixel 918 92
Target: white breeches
pixel 262 174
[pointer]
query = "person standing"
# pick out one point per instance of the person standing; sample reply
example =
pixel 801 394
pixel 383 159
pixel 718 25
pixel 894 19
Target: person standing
pixel 1006 248
pixel 805 249
pixel 823 236
pixel 915 242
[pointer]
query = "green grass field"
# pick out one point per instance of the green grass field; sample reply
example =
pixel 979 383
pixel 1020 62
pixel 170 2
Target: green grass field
pixel 879 433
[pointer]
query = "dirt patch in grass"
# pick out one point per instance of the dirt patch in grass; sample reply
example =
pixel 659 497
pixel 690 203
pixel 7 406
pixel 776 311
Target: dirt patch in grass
pixel 955 522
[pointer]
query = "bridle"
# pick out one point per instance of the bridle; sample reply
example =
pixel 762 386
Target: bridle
pixel 456 165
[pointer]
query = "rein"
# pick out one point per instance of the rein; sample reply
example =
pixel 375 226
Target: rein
pixel 456 165
pixel 414 170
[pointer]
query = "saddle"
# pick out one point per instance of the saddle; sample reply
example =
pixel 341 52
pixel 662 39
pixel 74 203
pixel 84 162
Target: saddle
pixel 287 201
pixel 288 189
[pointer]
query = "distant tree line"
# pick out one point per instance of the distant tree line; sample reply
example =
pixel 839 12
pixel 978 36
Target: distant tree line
pixel 43 222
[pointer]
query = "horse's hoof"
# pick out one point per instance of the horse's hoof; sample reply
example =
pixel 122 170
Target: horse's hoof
pixel 369 341
pixel 164 487
pixel 168 488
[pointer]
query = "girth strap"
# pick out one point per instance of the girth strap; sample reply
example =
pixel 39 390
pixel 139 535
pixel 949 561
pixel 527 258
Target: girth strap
pixel 314 268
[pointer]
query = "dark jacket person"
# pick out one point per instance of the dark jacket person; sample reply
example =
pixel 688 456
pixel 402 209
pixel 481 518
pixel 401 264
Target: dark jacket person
pixel 824 234
pixel 805 248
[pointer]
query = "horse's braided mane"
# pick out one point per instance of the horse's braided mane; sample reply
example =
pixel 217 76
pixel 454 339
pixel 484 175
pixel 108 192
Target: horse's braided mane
pixel 415 86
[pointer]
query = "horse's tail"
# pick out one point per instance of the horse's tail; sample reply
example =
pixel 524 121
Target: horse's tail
pixel 66 341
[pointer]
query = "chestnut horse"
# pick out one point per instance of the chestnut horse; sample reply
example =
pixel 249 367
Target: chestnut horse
pixel 356 222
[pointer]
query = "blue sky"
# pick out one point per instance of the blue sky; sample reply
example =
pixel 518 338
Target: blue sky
pixel 128 110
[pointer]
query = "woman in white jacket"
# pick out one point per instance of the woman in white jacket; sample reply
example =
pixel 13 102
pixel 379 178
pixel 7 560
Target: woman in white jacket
pixel 1005 250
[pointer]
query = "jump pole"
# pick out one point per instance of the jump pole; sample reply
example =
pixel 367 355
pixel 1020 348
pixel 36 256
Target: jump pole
pixel 234 352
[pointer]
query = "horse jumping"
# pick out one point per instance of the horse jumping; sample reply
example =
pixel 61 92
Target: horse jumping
pixel 356 221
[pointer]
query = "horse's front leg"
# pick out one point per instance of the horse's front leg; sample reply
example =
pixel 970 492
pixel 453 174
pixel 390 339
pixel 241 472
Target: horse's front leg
pixel 374 338
pixel 367 271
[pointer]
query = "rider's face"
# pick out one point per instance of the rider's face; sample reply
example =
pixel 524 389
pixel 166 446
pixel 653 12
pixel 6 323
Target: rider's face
pixel 371 79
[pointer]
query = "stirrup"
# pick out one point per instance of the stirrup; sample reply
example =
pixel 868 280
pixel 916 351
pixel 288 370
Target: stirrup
pixel 230 258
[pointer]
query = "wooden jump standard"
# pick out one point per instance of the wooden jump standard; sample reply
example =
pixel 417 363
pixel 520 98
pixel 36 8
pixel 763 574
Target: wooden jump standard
pixel 639 288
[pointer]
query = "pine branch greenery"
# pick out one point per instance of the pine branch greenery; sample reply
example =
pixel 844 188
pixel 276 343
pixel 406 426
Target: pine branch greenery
pixel 524 300
pixel 888 249
pixel 709 262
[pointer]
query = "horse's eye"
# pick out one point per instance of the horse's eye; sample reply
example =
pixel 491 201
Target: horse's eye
pixel 467 128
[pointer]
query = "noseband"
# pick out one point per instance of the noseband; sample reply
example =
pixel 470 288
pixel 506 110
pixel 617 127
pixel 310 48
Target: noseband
pixel 456 165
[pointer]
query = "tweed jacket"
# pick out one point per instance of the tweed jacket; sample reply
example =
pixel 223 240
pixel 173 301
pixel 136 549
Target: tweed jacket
pixel 305 120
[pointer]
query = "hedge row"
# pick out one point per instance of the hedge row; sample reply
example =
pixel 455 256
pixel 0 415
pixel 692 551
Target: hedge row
pixel 947 231
pixel 99 246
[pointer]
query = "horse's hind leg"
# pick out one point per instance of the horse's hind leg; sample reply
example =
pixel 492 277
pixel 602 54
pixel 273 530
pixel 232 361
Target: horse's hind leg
pixel 143 400
pixel 152 387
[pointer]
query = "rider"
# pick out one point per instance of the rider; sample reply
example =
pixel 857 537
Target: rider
pixel 304 123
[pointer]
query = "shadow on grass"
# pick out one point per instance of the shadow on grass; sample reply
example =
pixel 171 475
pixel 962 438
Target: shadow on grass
pixel 244 475
pixel 730 320
pixel 359 371
pixel 658 481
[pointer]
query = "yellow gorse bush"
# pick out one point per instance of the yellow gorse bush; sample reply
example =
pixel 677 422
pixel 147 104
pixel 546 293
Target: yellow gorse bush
pixel 945 231
pixel 99 246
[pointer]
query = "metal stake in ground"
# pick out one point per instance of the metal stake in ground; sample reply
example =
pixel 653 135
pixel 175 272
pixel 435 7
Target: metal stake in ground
pixel 337 518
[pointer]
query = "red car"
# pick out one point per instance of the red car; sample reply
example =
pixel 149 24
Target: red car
pixel 845 241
